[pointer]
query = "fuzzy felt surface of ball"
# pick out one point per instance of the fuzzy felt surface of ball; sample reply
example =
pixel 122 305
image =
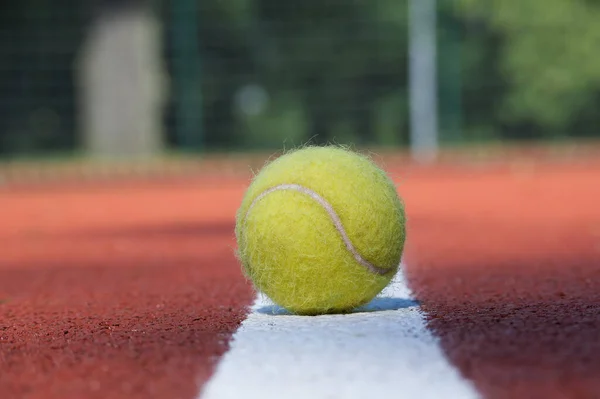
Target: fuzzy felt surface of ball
pixel 321 230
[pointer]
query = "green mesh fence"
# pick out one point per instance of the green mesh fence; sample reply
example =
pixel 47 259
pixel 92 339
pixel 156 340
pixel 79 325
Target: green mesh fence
pixel 37 45
pixel 249 74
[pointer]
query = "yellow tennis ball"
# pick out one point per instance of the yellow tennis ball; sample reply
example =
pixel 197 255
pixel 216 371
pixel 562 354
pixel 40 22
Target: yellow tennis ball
pixel 321 230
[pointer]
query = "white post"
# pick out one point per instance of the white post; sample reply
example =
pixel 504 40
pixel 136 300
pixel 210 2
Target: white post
pixel 423 79
pixel 122 84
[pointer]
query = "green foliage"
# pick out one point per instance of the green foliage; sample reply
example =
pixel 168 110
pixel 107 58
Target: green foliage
pixel 332 70
pixel 548 57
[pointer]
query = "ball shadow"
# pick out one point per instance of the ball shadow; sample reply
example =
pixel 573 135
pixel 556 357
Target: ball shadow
pixel 376 305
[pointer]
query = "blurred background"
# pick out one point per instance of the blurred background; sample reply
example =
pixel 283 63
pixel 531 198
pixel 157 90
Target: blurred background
pixel 142 78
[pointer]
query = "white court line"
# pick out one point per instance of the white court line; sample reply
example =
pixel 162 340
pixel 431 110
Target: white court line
pixel 382 351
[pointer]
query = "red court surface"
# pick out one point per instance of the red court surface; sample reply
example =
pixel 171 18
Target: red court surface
pixel 131 289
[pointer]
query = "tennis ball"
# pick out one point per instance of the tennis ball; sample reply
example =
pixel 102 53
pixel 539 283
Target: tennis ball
pixel 320 230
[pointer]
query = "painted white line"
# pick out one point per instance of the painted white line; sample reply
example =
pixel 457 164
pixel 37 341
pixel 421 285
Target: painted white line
pixel 381 351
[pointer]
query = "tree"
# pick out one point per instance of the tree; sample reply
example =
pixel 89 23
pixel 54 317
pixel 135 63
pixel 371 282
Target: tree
pixel 548 57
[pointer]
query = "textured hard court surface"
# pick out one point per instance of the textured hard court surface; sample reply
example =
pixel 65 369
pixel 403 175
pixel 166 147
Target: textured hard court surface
pixel 132 290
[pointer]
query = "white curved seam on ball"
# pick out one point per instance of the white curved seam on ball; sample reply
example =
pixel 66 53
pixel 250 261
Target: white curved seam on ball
pixel 334 218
